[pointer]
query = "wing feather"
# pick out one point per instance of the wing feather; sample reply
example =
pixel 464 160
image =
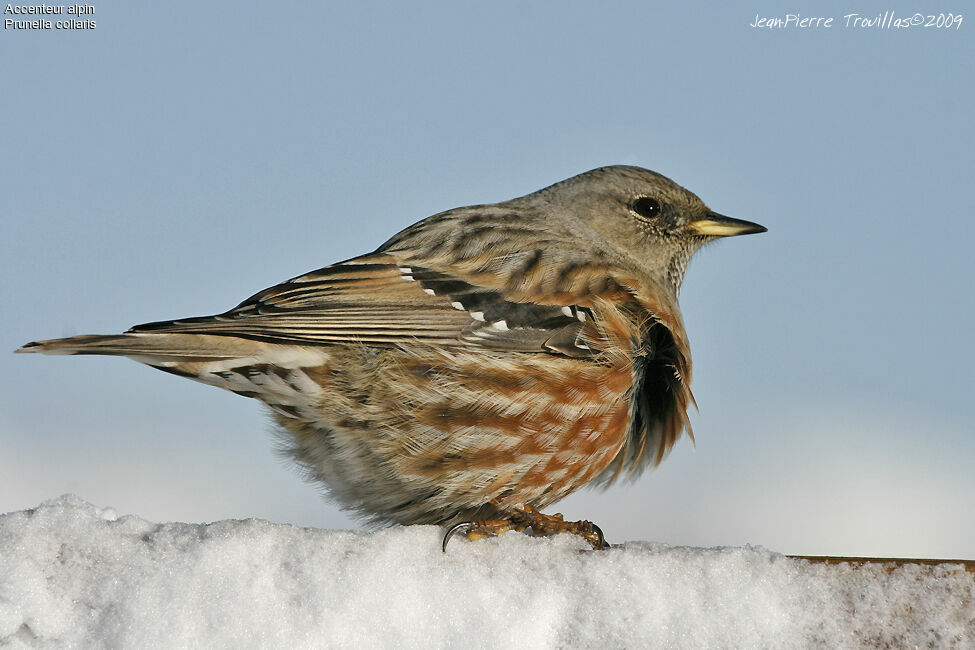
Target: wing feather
pixel 379 300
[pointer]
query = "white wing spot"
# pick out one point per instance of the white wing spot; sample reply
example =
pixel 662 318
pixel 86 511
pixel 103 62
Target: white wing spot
pixel 405 270
pixel 431 292
pixel 457 305
pixel 567 311
pixel 478 315
pixel 581 315
pixel 500 325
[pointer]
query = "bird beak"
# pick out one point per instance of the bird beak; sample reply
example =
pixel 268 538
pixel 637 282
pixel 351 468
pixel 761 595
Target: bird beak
pixel 718 225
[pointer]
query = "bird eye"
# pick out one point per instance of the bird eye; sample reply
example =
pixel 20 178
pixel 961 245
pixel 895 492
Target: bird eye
pixel 647 207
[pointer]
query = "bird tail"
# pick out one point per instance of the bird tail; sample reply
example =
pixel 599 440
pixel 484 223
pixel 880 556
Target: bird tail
pixel 141 346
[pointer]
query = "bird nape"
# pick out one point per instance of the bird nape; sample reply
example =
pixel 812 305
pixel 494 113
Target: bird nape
pixel 480 365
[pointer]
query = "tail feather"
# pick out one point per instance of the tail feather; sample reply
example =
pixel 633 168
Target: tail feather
pixel 194 347
pixel 271 373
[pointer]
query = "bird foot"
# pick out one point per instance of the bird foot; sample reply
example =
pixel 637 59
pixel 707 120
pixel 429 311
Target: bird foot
pixel 526 517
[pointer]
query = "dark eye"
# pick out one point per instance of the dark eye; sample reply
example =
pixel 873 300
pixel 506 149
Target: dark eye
pixel 647 207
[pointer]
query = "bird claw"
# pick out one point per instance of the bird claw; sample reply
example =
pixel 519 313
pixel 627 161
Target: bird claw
pixel 453 529
pixel 527 517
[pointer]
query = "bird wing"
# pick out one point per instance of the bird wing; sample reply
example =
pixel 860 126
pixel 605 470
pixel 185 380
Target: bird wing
pixel 377 299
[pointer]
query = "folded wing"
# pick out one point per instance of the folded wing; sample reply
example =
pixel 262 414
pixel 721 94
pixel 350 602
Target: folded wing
pixel 376 300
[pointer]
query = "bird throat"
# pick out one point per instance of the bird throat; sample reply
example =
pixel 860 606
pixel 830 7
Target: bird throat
pixel 677 266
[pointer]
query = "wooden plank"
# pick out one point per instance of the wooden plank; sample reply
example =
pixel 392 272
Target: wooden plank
pixel 889 562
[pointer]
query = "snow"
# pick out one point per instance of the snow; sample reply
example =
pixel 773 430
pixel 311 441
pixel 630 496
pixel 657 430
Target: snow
pixel 73 574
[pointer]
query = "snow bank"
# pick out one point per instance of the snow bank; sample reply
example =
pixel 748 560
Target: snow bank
pixel 72 574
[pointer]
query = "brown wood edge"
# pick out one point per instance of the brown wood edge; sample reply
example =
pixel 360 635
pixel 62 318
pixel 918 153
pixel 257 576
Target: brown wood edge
pixel 889 563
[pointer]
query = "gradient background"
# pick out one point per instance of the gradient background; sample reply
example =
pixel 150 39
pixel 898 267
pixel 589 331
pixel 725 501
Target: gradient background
pixel 185 155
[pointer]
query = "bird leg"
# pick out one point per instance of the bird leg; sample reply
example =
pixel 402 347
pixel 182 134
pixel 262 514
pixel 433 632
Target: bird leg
pixel 526 517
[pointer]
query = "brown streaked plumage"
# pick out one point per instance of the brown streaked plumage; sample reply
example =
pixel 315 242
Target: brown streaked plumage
pixel 483 359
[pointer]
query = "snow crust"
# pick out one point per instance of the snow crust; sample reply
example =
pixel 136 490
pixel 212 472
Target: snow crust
pixel 75 575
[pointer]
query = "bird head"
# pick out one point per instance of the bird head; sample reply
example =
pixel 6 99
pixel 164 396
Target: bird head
pixel 645 218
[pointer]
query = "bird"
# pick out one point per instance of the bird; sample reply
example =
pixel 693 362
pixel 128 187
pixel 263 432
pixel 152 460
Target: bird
pixel 480 365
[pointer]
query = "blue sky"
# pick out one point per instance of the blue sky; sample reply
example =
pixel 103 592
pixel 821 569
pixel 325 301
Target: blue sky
pixel 180 157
